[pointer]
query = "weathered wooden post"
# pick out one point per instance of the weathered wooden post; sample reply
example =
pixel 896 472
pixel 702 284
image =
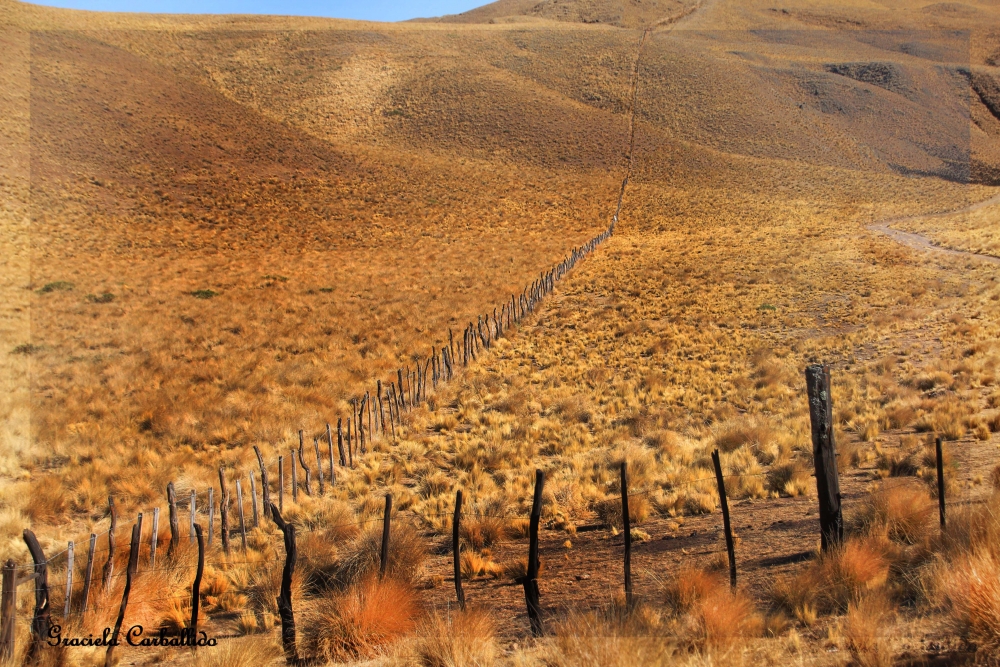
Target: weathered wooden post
pixel 88 574
pixel 41 619
pixel 156 531
pixel 285 612
pixel 69 581
pixel 8 609
pixel 211 514
pixel 340 441
pixel 196 585
pixel 255 516
pixel 329 441
pixel 456 549
pixel 174 520
pixel 194 508
pixel 384 551
pixel 295 477
pixel 627 528
pixel 109 565
pixel 530 580
pixel 302 462
pixel 940 479
pixel 319 465
pixel 726 525
pixel 265 491
pixel 224 511
pixel 825 455
pixel 239 505
pixel 281 483
pixel 133 561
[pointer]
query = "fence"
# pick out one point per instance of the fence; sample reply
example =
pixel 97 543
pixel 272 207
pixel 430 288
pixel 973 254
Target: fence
pixel 14 575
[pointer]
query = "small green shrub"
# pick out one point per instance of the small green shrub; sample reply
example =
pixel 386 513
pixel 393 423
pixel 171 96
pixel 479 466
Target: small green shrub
pixel 204 294
pixel 105 297
pixel 58 286
pixel 26 348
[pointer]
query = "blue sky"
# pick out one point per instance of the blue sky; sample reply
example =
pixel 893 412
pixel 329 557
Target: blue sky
pixel 371 10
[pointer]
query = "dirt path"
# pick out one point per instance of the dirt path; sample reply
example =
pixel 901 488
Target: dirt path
pixel 920 242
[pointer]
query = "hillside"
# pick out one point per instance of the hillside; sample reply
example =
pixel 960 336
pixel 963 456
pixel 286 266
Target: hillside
pixel 218 231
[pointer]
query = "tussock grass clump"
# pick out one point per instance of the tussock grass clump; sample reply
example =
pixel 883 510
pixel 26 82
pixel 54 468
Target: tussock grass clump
pixel 709 612
pixel 462 639
pixel 407 552
pixel 609 510
pixel 363 621
pixel 865 631
pixel 900 510
pixel 832 581
pixel 752 430
pixel 789 479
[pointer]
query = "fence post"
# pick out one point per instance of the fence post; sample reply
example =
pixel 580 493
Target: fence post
pixel 156 534
pixel 69 581
pixel 726 525
pixel 530 581
pixel 41 620
pixel 456 549
pixel 196 586
pixel 264 491
pixel 109 565
pixel 295 477
pixel 825 455
pixel 319 465
pixel 627 527
pixel 253 501
pixel 211 514
pixel 285 598
pixel 193 507
pixel 329 441
pixel 281 483
pixel 174 527
pixel 89 575
pixel 306 473
pixel 384 551
pixel 239 506
pixel 224 511
pixel 133 561
pixel 340 440
pixel 8 610
pixel 940 479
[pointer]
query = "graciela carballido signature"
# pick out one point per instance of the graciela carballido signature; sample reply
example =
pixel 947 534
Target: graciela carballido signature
pixel 133 637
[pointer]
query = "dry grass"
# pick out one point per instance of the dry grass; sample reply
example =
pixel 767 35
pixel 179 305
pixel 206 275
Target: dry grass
pixel 462 639
pixel 865 631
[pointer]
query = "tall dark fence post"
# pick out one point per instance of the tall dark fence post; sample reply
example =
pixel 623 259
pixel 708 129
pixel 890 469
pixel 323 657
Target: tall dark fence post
pixel 196 586
pixel 340 441
pixel 133 562
pixel 285 598
pixel 627 527
pixel 329 441
pixel 825 455
pixel 940 479
pixel 386 525
pixel 726 525
pixel 40 620
pixel 456 549
pixel 281 484
pixel 530 581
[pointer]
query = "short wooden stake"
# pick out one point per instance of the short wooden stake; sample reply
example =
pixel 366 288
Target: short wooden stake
pixel 386 521
pixel 825 455
pixel 726 525
pixel 88 574
pixel 133 561
pixel 456 549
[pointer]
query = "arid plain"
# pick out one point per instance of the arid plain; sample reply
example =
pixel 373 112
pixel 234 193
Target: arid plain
pixel 218 230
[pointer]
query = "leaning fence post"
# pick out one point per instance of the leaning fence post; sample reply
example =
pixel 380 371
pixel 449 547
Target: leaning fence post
pixel 41 620
pixel 384 551
pixel 69 581
pixel 456 549
pixel 109 565
pixel 8 609
pixel 174 528
pixel 825 455
pixel 627 528
pixel 530 580
pixel 726 525
pixel 133 561
pixel 196 586
pixel 253 500
pixel 89 574
pixel 264 491
pixel 940 479
pixel 285 598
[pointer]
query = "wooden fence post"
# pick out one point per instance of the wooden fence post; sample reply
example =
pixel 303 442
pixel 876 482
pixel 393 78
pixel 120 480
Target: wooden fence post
pixel 253 501
pixel 196 586
pixel 8 610
pixel 319 465
pixel 295 477
pixel 329 442
pixel 239 506
pixel 285 598
pixel 825 455
pixel 386 521
pixel 281 483
pixel 156 533
pixel 627 528
pixel 133 561
pixel 456 549
pixel 69 581
pixel 193 509
pixel 302 462
pixel 211 514
pixel 940 479
pixel 109 565
pixel 224 511
pixel 88 574
pixel 530 580
pixel 340 441
pixel 174 528
pixel 726 525
pixel 40 620
pixel 264 490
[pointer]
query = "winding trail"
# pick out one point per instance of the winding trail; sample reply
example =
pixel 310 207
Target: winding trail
pixel 920 242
